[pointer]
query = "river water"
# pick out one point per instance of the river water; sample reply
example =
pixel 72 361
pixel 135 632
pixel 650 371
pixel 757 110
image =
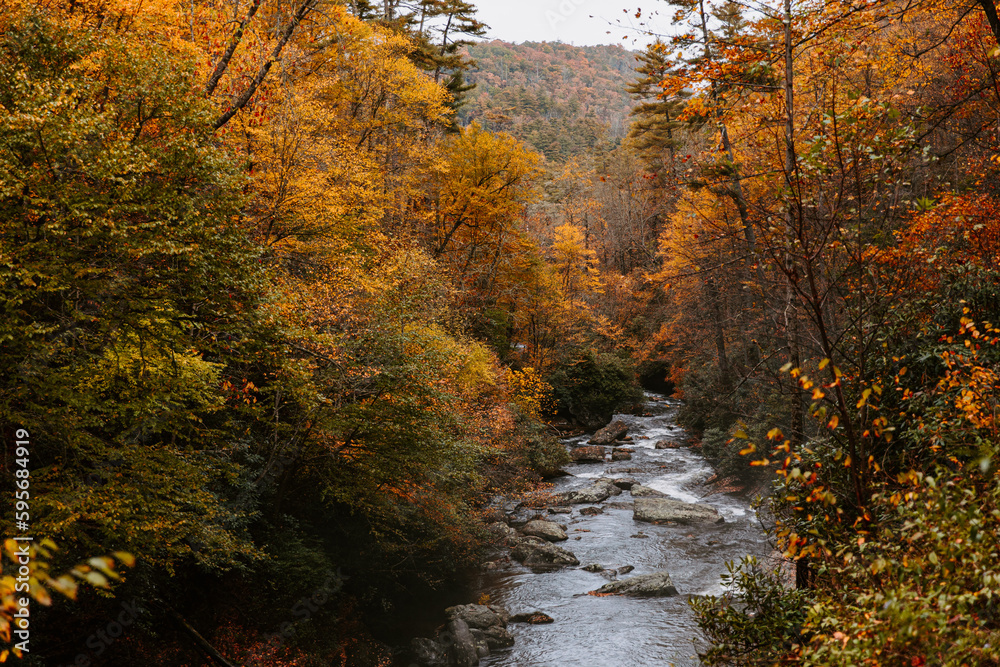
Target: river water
pixel 619 631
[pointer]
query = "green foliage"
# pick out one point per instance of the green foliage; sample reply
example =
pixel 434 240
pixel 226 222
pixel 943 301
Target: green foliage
pixel 756 621
pixel 594 385
pixel 924 588
pixel 124 289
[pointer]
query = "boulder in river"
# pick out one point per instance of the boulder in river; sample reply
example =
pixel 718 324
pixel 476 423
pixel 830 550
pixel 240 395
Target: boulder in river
pixel 494 637
pixel 657 584
pixel 479 615
pixel 667 444
pixel 533 617
pixel 536 552
pixel 656 510
pixel 591 511
pixel 593 567
pixel 587 454
pixel 640 491
pixel 464 651
pixel 477 629
pixel 619 455
pixel 547 530
pixel 625 483
pixel 599 491
pixel 616 430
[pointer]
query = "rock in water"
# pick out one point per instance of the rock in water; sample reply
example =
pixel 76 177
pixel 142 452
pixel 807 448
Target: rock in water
pixel 533 617
pixel 487 624
pixel 619 455
pixel 479 615
pixel 595 493
pixel 667 444
pixel 463 648
pixel 657 584
pixel 640 491
pixel 616 430
pixel 534 552
pixel 547 530
pixel 655 510
pixel 587 454
pixel 625 483
pixel 494 637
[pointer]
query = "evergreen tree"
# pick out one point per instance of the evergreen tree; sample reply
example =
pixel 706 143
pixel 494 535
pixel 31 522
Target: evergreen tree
pixel 438 29
pixel 655 118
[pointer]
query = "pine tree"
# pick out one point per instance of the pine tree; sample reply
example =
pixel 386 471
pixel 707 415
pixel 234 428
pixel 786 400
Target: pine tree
pixel 438 29
pixel 655 118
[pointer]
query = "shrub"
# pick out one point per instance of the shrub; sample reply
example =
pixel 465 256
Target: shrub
pixel 594 386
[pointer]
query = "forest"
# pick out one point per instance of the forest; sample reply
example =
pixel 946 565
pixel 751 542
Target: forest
pixel 288 305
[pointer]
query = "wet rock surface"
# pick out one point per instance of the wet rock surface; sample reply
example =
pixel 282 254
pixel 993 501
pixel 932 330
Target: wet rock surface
pixel 547 530
pixel 655 584
pixel 614 431
pixel 535 552
pixel 587 454
pixel 640 491
pixel 660 510
pixel 597 492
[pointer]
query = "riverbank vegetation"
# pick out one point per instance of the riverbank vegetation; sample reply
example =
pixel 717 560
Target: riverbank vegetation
pixel 282 318
pixel 833 269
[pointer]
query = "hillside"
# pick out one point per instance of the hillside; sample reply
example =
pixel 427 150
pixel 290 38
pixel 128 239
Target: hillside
pixel 561 99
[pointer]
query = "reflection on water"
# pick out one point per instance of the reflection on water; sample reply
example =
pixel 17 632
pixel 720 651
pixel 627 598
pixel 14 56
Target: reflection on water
pixel 619 631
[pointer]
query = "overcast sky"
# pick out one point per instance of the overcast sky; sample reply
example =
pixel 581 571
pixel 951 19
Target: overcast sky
pixel 580 22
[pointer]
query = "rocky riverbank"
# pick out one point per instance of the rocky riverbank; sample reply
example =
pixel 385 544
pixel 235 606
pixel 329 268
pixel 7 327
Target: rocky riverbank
pixel 608 558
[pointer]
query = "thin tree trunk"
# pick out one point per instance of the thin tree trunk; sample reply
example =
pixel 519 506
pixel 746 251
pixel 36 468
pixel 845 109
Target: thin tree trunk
pixel 304 9
pixel 991 15
pixel 223 63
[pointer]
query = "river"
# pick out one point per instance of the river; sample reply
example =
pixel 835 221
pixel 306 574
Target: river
pixel 619 631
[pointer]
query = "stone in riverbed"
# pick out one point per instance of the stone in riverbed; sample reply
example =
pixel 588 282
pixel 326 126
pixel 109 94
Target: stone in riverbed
pixel 463 648
pixel 640 491
pixel 616 430
pixel 494 637
pixel 587 454
pixel 667 444
pixel 591 511
pixel 533 617
pixel 625 483
pixel 486 624
pixel 479 616
pixel 535 552
pixel 593 567
pixel 619 455
pixel 547 530
pixel 595 493
pixel 559 510
pixel 657 584
pixel 656 510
